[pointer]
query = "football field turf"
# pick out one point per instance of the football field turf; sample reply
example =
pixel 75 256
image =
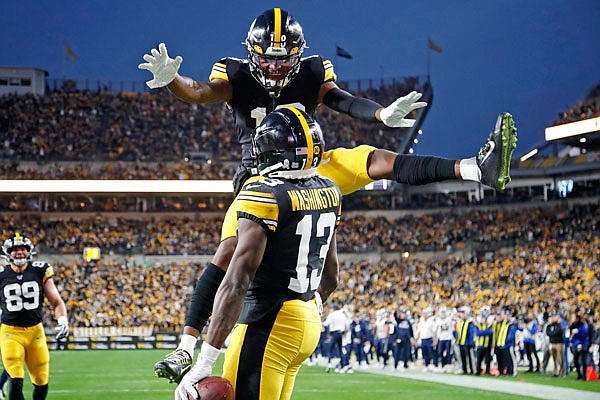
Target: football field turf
pixel 128 375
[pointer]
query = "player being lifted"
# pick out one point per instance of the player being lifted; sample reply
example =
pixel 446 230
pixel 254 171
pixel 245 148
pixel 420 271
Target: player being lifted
pixel 275 75
pixel 23 285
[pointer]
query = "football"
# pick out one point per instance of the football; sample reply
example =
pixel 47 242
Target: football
pixel 214 388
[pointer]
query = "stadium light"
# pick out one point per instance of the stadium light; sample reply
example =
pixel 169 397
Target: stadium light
pixel 115 186
pixel 529 155
pixel 572 129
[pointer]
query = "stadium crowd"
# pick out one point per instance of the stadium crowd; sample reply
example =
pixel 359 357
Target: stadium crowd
pixel 544 265
pixel 104 126
pixel 436 231
pixel 584 109
pixel 542 261
pixel 541 279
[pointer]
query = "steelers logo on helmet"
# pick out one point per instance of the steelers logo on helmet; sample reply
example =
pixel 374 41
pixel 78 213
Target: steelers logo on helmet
pixel 275 43
pixel 14 242
pixel 288 144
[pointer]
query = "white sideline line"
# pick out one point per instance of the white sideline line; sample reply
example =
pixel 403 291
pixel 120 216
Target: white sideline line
pixel 535 390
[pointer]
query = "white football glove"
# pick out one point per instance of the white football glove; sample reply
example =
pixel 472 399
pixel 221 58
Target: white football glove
pixel 393 115
pixel 204 365
pixel 62 330
pixel 162 66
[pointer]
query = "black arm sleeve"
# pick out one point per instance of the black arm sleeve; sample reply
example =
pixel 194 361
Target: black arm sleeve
pixel 357 107
pixel 420 170
pixel 204 297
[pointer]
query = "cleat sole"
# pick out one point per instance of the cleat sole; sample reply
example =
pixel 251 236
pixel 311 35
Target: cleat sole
pixel 161 373
pixel 509 144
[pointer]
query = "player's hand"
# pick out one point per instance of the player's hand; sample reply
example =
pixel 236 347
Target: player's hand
pixel 393 115
pixel 62 330
pixel 189 380
pixel 162 66
pixel 206 360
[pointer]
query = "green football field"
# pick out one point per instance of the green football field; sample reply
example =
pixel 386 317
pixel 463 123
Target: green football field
pixel 128 375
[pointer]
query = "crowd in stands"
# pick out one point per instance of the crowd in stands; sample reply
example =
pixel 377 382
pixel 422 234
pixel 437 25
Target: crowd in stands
pixel 118 170
pixel 583 109
pixel 552 257
pixel 537 282
pixel 126 294
pixel 436 231
pixel 537 277
pixel 145 127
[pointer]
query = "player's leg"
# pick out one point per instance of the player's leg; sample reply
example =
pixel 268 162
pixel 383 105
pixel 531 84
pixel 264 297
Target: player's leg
pixel 13 358
pixel 354 168
pixel 177 363
pixel 3 379
pixel 37 359
pixel 264 357
pixel 491 166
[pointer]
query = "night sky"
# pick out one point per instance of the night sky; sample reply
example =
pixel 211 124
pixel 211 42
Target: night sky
pixel 531 58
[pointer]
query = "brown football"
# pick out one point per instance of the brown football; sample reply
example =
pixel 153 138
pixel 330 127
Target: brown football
pixel 214 388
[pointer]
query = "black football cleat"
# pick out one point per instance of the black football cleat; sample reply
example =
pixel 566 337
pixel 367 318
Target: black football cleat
pixel 175 365
pixel 494 157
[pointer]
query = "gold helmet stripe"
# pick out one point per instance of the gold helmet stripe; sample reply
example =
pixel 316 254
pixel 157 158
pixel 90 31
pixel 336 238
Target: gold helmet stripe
pixel 309 139
pixel 18 237
pixel 278 27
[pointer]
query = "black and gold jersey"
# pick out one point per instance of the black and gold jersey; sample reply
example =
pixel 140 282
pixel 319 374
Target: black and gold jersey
pixel 22 294
pixel 250 102
pixel 299 217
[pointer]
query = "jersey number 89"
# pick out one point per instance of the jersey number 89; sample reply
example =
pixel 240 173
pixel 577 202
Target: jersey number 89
pixel 22 296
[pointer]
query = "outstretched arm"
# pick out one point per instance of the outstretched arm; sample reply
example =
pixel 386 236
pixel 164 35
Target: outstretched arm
pixel 193 91
pixel 165 73
pixel 364 109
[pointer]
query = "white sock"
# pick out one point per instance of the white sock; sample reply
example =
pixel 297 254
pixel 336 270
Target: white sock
pixel 188 343
pixel 469 170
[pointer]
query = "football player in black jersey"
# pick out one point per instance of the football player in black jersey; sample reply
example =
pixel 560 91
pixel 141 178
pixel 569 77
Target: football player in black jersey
pixel 286 242
pixel 23 285
pixel 275 75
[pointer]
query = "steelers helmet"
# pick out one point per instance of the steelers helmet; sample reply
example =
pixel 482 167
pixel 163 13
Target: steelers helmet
pixel 274 44
pixel 288 144
pixel 18 240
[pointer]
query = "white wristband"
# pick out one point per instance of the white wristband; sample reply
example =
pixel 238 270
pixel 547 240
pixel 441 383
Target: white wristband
pixel 208 355
pixel 63 320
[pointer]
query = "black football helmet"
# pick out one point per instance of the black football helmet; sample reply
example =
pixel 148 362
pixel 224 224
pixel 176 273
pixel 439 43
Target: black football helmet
pixel 288 144
pixel 275 43
pixel 18 240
